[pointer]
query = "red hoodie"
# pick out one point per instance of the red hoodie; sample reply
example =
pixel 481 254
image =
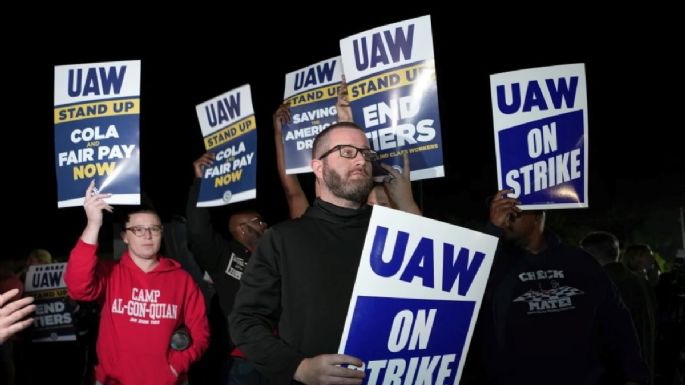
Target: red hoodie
pixel 140 313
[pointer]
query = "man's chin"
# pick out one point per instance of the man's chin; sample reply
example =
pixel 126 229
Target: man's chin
pixel 364 185
pixel 358 178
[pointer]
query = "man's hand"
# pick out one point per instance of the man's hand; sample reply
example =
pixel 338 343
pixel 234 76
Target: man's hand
pixel 503 209
pixel 398 186
pixel 281 117
pixel 205 160
pixel 324 369
pixel 342 105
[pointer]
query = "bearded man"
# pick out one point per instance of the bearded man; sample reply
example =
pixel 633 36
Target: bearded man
pixel 301 276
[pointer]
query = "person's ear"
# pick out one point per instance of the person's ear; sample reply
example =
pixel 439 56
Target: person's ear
pixel 123 237
pixel 317 168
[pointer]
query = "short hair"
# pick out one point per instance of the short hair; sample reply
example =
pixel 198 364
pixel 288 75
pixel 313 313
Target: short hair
pixel 141 211
pixel 634 251
pixel 320 139
pixel 41 255
pixel 602 245
pixel 233 219
pixel 244 211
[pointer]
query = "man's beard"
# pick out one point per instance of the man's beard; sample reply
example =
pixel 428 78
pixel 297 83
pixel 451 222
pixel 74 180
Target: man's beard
pixel 357 190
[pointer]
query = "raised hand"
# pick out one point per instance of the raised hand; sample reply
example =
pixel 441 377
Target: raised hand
pixel 342 105
pixel 503 209
pixel 281 117
pixel 93 204
pixel 205 160
pixel 297 200
pixel 398 186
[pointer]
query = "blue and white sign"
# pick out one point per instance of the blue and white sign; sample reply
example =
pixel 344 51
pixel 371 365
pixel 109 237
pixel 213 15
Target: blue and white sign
pixel 312 93
pixel 229 129
pixel 417 295
pixel 53 320
pixel 541 135
pixel 393 93
pixel 97 122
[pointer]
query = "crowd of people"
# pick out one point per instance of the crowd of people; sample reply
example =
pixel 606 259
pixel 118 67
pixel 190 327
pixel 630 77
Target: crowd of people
pixel 552 312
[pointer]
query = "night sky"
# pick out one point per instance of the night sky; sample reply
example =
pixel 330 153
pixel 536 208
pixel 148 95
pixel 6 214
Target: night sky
pixel 634 82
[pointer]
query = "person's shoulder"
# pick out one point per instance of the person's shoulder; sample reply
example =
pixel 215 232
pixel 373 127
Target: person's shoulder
pixel 172 266
pixel 181 275
pixel 294 224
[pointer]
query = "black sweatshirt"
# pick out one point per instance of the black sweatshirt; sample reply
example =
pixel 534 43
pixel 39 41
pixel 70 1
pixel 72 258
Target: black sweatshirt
pixel 299 282
pixel 555 318
pixel 223 260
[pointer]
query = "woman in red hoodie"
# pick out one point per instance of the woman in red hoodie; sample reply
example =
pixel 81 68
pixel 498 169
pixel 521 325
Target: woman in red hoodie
pixel 146 298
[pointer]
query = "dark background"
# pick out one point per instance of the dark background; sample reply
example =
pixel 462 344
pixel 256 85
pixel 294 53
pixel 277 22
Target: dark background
pixel 635 96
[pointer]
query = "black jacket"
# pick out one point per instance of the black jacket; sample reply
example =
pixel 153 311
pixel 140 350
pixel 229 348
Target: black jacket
pixel 554 318
pixel 222 259
pixel 299 282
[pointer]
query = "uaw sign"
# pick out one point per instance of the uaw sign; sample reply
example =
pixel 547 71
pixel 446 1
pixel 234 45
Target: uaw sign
pixel 419 287
pixel 53 320
pixel 541 135
pixel 312 93
pixel 97 121
pixel 229 129
pixel 393 93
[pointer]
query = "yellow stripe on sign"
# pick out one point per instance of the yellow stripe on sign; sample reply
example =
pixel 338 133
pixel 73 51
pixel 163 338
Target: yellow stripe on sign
pixel 315 95
pixel 54 293
pixel 391 80
pixel 231 132
pixel 97 109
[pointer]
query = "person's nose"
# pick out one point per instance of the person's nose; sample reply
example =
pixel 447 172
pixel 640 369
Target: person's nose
pixel 359 159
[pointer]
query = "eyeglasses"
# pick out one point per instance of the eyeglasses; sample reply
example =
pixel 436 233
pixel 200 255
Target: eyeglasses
pixel 139 231
pixel 256 220
pixel 349 151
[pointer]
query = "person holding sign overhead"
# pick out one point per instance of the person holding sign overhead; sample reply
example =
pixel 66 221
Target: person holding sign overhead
pixel 550 314
pixel 225 262
pixel 146 298
pixel 295 196
pixel 303 288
